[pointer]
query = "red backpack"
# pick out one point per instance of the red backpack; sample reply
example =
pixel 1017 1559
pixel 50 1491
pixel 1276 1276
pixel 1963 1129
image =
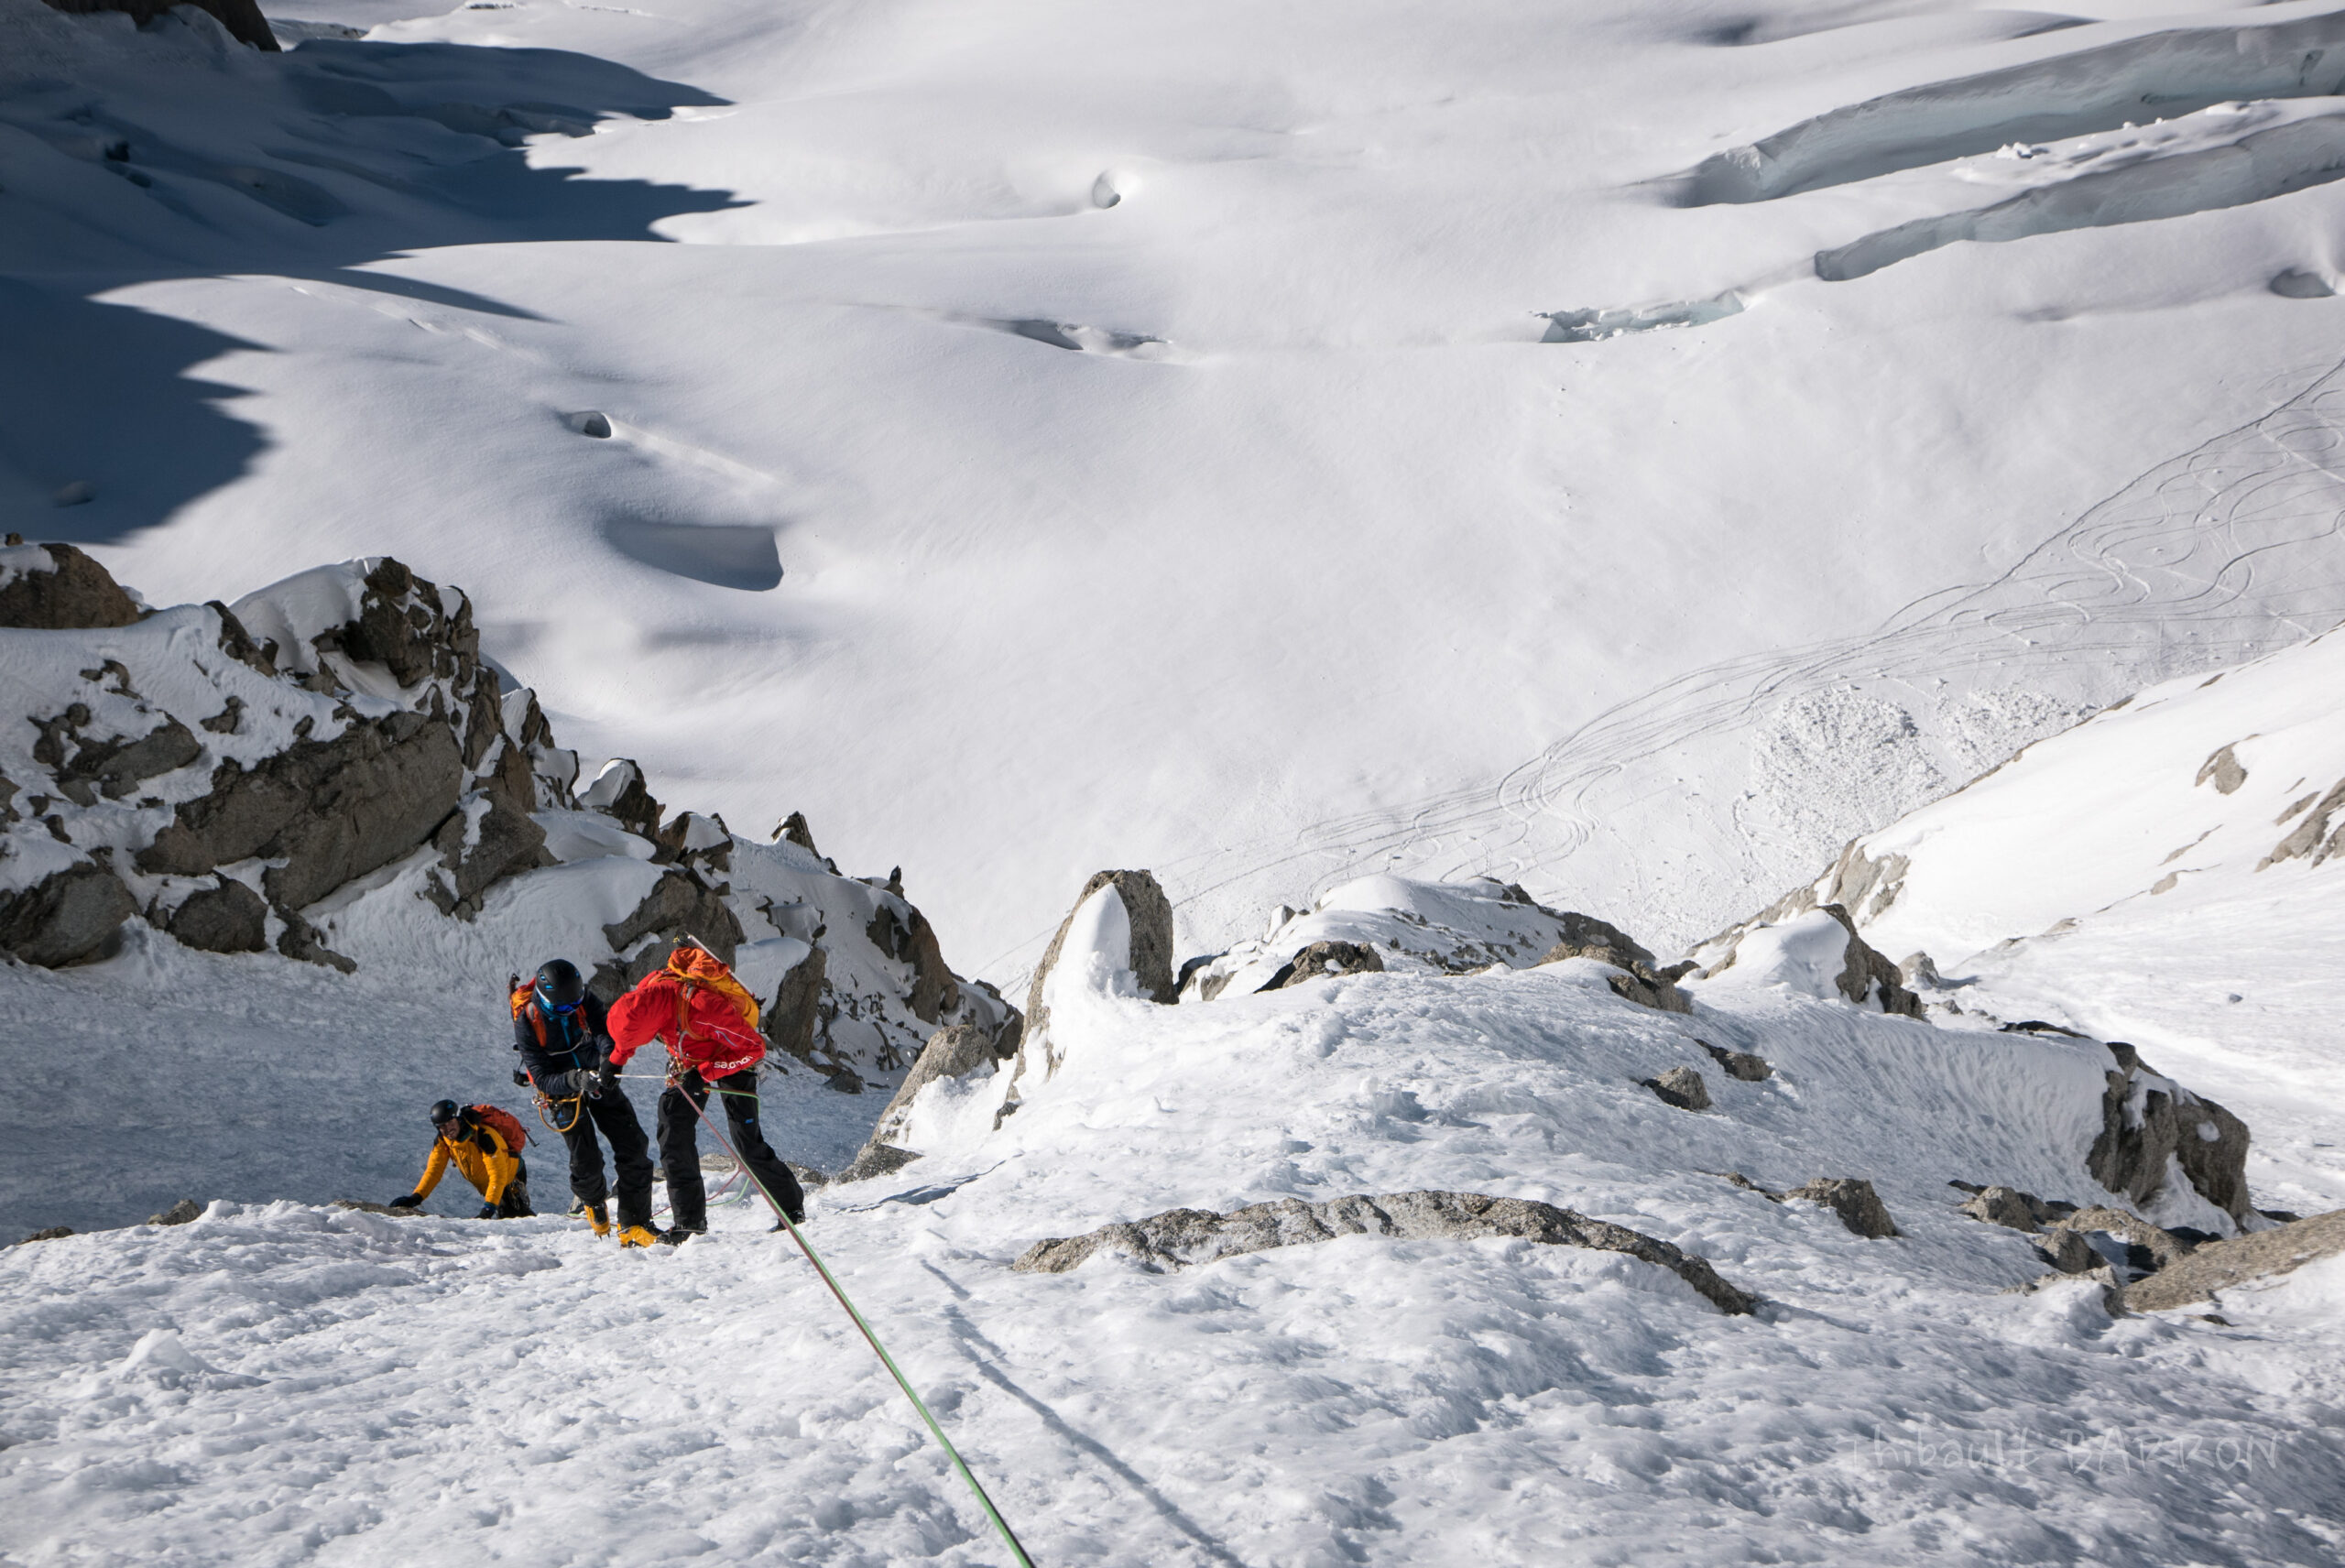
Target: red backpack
pixel 508 1125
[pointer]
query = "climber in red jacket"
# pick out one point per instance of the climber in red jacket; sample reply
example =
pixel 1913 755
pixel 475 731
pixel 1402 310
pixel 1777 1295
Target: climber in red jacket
pixel 691 1007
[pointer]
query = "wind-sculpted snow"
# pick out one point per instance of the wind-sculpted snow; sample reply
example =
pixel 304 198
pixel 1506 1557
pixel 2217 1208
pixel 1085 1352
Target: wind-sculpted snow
pixel 2166 873
pixel 405 1388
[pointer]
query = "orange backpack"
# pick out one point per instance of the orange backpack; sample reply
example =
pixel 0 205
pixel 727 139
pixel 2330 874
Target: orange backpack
pixel 698 968
pixel 522 992
pixel 508 1125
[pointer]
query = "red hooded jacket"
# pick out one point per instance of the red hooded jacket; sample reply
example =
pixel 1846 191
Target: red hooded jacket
pixel 702 1030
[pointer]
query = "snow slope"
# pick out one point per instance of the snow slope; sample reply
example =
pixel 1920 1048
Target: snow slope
pixel 279 1383
pixel 2167 872
pixel 1126 434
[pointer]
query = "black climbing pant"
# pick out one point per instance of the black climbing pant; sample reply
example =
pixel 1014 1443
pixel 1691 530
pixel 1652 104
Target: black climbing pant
pixel 680 1146
pixel 515 1203
pixel 630 1152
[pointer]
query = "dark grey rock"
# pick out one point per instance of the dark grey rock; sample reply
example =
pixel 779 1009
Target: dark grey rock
pixel 2067 1251
pixel 797 1010
pixel 2152 1247
pixel 1639 982
pixel 1585 936
pixel 2224 768
pixel 68 917
pixel 679 905
pixel 843 1080
pixel 228 917
pixel 2143 1124
pixel 242 19
pixel 2007 1206
pixel 875 1160
pixel 1656 993
pixel 2218 1265
pixel 1186 1237
pixel 76 594
pixel 1682 1087
pixel 185 1211
pixel 1867 975
pixel 118 767
pixel 333 809
pixel 1323 959
pixel 1740 1065
pixel 1853 1199
pixel 300 940
pixel 54 1233
pixel 793 829
pixel 633 807
pixel 903 933
pixel 954 1052
pixel 1150 916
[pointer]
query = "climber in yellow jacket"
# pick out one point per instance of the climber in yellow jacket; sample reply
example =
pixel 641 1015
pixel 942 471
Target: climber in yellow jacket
pixel 484 1145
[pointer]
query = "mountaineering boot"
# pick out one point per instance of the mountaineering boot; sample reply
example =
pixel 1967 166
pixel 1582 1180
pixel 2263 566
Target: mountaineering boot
pixel 600 1218
pixel 677 1235
pixel 639 1235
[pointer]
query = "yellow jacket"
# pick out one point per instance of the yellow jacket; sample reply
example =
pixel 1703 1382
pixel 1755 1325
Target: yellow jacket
pixel 482 1155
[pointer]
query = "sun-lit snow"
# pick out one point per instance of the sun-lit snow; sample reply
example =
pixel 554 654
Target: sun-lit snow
pixel 1386 469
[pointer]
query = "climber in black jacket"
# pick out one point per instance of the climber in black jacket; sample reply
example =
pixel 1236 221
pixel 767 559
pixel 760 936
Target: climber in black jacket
pixel 560 1029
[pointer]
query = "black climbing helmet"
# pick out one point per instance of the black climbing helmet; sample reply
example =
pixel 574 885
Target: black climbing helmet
pixel 560 987
pixel 442 1112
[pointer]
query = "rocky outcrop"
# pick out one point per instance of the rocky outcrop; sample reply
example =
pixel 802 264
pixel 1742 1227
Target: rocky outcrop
pixel 226 917
pixel 242 19
pixel 1853 1199
pixel 1739 1064
pixel 2311 836
pixel 1682 1087
pixel 1323 959
pixel 331 810
pixel 1585 936
pixel 2146 1119
pixel 875 1160
pixel 619 793
pixel 2237 1260
pixel 68 916
pixel 679 905
pixel 113 767
pixel 1149 917
pixel 797 1009
pixel 1638 980
pixel 1187 1237
pixel 1869 975
pixel 2008 1207
pixel 2149 1247
pixel 187 1211
pixel 55 587
pixel 954 1052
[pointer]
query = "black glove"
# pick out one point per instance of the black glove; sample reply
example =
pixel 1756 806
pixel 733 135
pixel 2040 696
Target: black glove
pixel 520 1079
pixel 610 1076
pixel 488 1212
pixel 579 1081
pixel 408 1201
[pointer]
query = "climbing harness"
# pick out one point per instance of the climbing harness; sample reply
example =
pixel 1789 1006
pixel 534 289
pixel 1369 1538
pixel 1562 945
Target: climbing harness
pixel 960 1465
pixel 547 1103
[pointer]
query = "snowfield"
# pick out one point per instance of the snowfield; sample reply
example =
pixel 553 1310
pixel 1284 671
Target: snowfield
pixel 281 1383
pixel 1423 481
pixel 1128 435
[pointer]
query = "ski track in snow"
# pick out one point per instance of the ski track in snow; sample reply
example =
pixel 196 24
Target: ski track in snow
pixel 2222 554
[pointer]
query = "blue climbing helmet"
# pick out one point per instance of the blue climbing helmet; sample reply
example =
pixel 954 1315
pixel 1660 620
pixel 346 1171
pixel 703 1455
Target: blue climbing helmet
pixel 559 987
